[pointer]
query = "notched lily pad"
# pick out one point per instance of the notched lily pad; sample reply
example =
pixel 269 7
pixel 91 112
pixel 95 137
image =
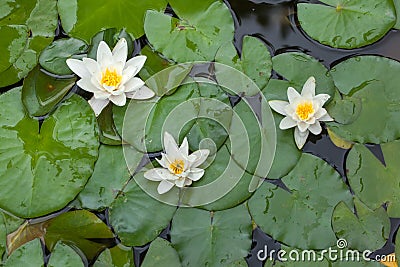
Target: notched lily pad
pixel 64 255
pixel 30 254
pixel 54 162
pixel 162 253
pixel 347 24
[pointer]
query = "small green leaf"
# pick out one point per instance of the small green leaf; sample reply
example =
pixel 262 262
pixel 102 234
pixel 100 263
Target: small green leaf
pixel 54 56
pixel 204 238
pixel 82 229
pixel 64 255
pixel 162 253
pixel 118 256
pixel 30 254
pixel 347 24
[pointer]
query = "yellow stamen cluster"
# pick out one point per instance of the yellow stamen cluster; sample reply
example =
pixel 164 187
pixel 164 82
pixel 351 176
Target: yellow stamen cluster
pixel 177 166
pixel 111 78
pixel 305 110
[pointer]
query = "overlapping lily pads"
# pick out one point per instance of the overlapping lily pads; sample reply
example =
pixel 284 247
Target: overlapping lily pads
pixel 118 256
pixel 54 162
pixel 347 24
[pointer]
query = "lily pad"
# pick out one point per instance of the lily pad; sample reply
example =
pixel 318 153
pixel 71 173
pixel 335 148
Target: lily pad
pixel 12 44
pixel 80 19
pixel 54 162
pixel 54 56
pixel 108 131
pixel 372 95
pixel 118 256
pixel 397 8
pixel 162 253
pixel 30 254
pixel 42 92
pixel 301 217
pixel 255 61
pixel 39 19
pixel 297 67
pixel 8 224
pixel 373 182
pixel 110 175
pixel 202 28
pixel 25 233
pixel 64 255
pixel 82 229
pixel 366 230
pixel 134 203
pixel 347 24
pixel 204 238
pixel 154 63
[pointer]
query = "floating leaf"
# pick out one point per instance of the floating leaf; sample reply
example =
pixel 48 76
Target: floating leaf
pixel 370 83
pixel 202 28
pixel 255 61
pixel 118 256
pixel 110 175
pixel 41 172
pixel 205 238
pixel 8 224
pixel 397 8
pixel 347 24
pixel 161 253
pixel 39 20
pixel 82 229
pixel 12 44
pixel 42 92
pixel 25 233
pixel 134 203
pixel 64 255
pixel 108 131
pixel 30 254
pixel 301 217
pixel 373 182
pixel 154 63
pixel 80 19
pixel 367 229
pixel 54 56
pixel 339 142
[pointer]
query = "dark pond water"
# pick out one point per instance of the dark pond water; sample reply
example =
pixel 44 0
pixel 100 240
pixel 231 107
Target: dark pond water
pixel 275 23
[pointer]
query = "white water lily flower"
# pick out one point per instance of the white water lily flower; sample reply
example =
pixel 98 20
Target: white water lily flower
pixel 178 167
pixel 111 77
pixel 303 111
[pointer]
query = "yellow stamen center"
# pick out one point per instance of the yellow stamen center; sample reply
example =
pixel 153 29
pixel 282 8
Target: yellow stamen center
pixel 305 110
pixel 111 78
pixel 177 166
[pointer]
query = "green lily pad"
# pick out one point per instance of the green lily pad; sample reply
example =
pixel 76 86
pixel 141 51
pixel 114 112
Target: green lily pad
pixel 397 8
pixel 118 256
pixel 134 203
pixel 30 254
pixel 108 131
pixel 202 28
pixel 12 44
pixel 80 19
pixel 368 229
pixel 79 228
pixel 255 61
pixel 54 56
pixel 370 87
pixel 373 182
pixel 110 175
pixel 204 238
pixel 301 217
pixel 64 255
pixel 39 20
pixel 55 162
pixel 297 67
pixel 42 92
pixel 162 253
pixel 347 24
pixel 154 63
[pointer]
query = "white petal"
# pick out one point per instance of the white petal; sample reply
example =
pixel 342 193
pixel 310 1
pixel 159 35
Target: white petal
pixel 120 51
pixel 195 174
pixel 164 187
pixel 188 182
pixel 104 55
pixel 119 100
pixel 87 85
pixel 180 182
pixel 171 147
pixel 321 99
pixel 310 121
pixel 136 62
pixel 163 161
pixel 302 126
pixel 142 93
pixel 133 84
pixel 201 156
pixel 184 148
pixel 98 105
pixel 91 65
pixel 101 95
pixel 278 105
pixel 287 123
pixel 292 94
pixel 309 88
pixel 155 174
pixel 320 112
pixel 300 138
pixel 315 128
pixel 326 117
pixel 78 67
